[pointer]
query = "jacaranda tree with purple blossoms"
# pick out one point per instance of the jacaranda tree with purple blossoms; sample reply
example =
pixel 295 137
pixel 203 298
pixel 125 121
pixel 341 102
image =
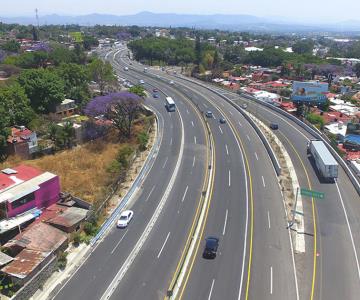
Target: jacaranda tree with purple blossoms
pixel 121 108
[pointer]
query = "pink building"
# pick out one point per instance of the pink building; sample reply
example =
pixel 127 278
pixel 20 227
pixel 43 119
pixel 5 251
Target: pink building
pixel 24 188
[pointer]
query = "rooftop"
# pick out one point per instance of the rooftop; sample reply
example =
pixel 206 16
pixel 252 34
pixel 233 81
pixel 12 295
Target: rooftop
pixel 39 237
pixel 21 173
pixel 5 259
pixel 24 263
pixel 19 134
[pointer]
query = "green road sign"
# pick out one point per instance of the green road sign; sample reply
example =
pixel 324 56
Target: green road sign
pixel 310 193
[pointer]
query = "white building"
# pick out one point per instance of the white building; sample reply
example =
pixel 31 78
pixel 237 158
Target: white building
pixel 338 129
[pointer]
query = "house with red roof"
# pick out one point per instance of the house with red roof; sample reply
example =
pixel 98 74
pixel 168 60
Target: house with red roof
pixel 25 188
pixel 22 142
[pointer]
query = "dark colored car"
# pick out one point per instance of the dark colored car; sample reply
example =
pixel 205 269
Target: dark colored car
pixel 274 126
pixel 155 95
pixel 222 120
pixel 155 90
pixel 211 246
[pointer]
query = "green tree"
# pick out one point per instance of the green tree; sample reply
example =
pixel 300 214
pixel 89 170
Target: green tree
pixel 198 50
pixel 14 100
pixel 303 47
pixel 90 41
pixel 76 81
pixel 102 73
pixel 138 90
pixel 4 132
pixel 44 88
pixel 11 46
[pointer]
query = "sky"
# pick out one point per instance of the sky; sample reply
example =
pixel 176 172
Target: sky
pixel 304 11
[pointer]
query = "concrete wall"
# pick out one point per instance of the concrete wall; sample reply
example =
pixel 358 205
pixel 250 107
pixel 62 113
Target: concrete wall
pixel 37 281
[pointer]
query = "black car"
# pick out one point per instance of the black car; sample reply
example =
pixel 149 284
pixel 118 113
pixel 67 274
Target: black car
pixel 274 126
pixel 211 246
pixel 222 121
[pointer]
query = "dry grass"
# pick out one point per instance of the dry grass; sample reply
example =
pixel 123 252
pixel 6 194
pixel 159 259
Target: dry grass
pixel 83 170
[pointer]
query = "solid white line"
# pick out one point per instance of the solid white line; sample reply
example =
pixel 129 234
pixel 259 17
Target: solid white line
pixel 221 130
pixel 192 123
pixel 229 178
pixel 195 139
pixel 247 136
pixel 268 215
pixel 187 111
pixel 118 243
pixel 162 248
pixel 211 289
pixel 193 161
pixel 256 156
pixel 183 198
pixel 239 123
pixel 271 280
pixel 165 162
pixel 226 216
pixel 150 225
pixel 227 150
pixel 171 141
pixel 348 225
pixel 148 196
pixel 263 180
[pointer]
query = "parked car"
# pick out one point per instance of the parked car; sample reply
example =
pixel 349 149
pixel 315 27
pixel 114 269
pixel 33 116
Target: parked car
pixel 125 218
pixel 274 126
pixel 222 120
pixel 209 114
pixel 211 247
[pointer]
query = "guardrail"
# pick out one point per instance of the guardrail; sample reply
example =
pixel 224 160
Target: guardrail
pixel 261 135
pixel 137 182
pixel 317 134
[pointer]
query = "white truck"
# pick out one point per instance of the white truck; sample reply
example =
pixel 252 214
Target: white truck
pixel 324 161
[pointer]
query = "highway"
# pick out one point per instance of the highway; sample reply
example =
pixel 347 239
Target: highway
pixel 329 269
pixel 236 203
pixel 179 158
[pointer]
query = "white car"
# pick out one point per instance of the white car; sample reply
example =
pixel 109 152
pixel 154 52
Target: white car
pixel 125 218
pixel 141 81
pixel 171 82
pixel 126 69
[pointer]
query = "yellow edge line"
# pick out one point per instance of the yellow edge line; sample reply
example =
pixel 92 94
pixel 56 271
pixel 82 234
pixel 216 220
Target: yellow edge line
pixel 314 218
pixel 199 205
pixel 202 225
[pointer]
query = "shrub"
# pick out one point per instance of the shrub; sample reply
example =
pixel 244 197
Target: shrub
pixel 76 239
pixel 143 139
pixel 90 228
pixel 123 156
pixel 315 119
pixel 62 261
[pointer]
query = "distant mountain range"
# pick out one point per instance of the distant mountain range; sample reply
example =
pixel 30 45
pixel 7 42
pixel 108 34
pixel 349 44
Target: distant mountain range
pixel 216 21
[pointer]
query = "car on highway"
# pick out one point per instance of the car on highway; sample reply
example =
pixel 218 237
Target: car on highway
pixel 145 70
pixel 244 106
pixel 155 95
pixel 274 126
pixel 209 114
pixel 141 81
pixel 171 82
pixel 222 120
pixel 130 63
pixel 155 90
pixel 211 247
pixel 125 218
pixel 126 69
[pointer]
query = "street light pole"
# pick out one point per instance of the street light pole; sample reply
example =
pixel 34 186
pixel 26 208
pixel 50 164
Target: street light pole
pixel 294 210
